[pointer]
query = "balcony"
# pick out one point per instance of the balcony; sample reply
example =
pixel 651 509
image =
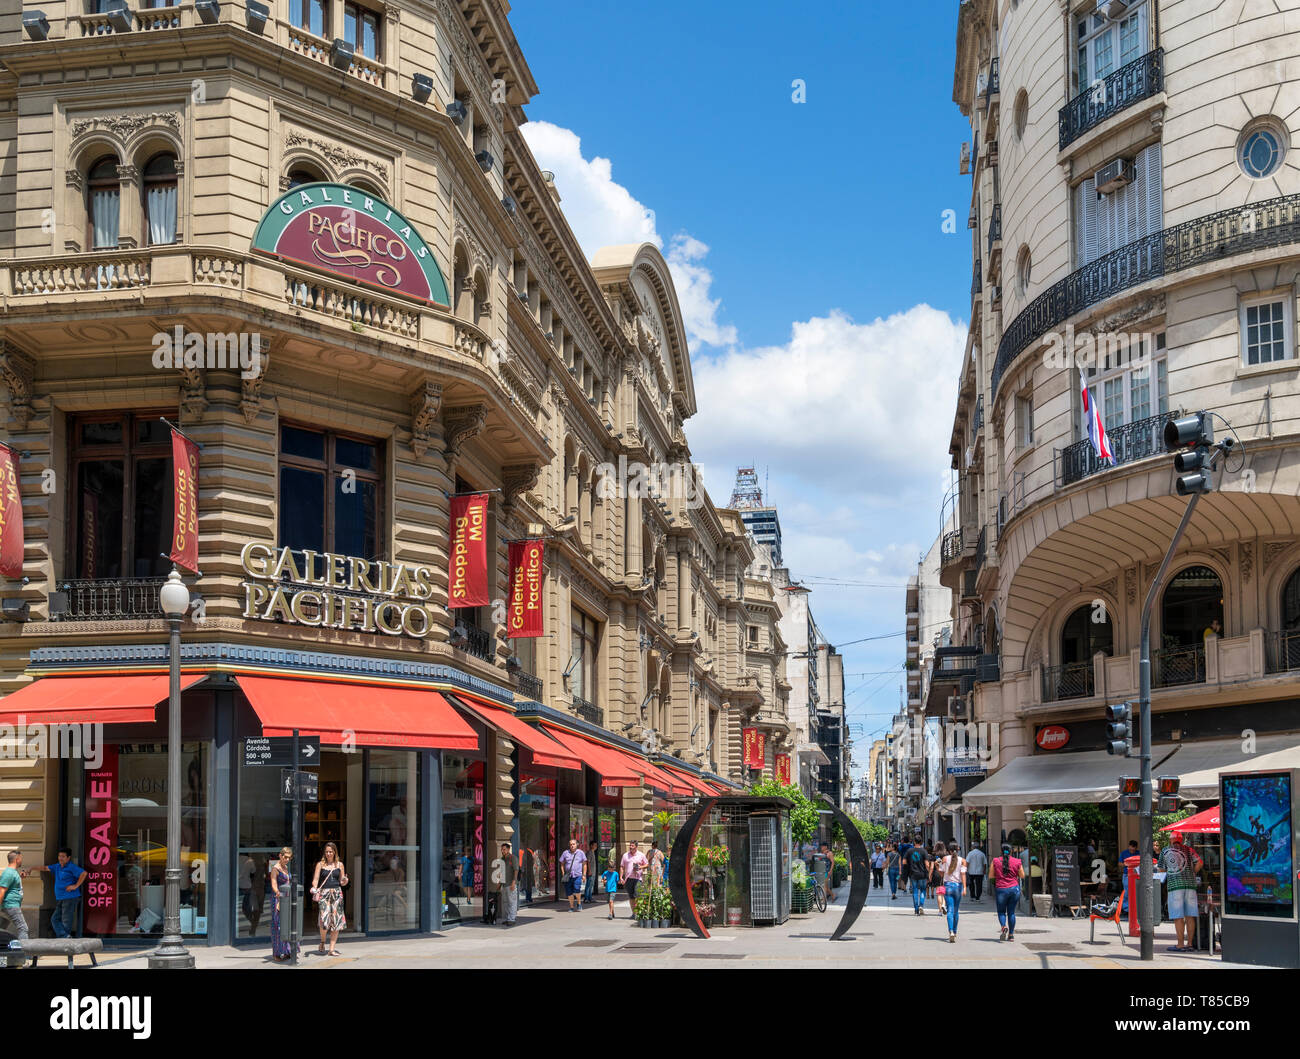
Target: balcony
pixel 976 279
pixel 994 86
pixel 1273 222
pixel 588 711
pixel 1074 680
pixel 995 235
pixel 1139 80
pixel 530 687
pixel 1129 442
pixel 117 599
pixel 981 549
pixel 1283 655
pixel 473 641
pixel 951 548
pixel 1171 666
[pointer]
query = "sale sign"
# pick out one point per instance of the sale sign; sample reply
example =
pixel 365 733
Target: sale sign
pixel 185 521
pixel 11 515
pixel 102 800
pixel 524 615
pixel 783 769
pixel 753 751
pixel 467 582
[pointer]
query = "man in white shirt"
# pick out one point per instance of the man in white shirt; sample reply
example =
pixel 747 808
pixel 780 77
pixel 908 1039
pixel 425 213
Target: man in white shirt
pixel 976 863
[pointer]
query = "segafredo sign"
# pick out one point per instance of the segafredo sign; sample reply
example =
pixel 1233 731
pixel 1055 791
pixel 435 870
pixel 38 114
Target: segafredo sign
pixel 344 232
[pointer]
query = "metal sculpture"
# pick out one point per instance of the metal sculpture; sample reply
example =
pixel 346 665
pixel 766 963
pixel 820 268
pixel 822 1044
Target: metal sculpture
pixel 679 869
pixel 859 868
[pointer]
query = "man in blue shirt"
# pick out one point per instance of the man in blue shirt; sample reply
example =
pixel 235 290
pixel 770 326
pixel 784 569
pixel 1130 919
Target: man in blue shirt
pixel 68 879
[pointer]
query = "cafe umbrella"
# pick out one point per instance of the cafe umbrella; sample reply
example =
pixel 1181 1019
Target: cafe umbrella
pixel 1206 822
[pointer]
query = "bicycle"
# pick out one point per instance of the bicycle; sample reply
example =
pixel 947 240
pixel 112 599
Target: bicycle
pixel 819 890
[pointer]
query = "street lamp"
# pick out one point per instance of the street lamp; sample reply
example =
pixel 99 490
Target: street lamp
pixel 174 599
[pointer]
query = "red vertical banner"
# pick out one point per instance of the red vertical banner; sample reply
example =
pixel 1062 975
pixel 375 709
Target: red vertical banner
pixel 101 864
pixel 762 750
pixel 524 615
pixel 185 500
pixel 753 754
pixel 467 581
pixel 783 769
pixel 11 515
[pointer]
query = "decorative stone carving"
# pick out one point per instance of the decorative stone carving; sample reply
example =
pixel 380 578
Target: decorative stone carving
pixel 250 390
pixel 1224 556
pixel 18 370
pixel 479 256
pixel 194 387
pixel 338 156
pixel 1131 584
pixel 516 479
pixel 124 125
pixel 426 402
pixel 460 424
pixel 1272 550
pixel 1246 558
pixel 73 179
pixel 1142 310
pixel 128 174
pixel 1108 588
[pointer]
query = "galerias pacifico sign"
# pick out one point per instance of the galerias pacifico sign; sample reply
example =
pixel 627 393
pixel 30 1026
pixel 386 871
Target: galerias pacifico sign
pixel 342 231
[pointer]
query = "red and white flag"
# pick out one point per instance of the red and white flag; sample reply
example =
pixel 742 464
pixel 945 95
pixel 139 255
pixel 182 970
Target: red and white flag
pixel 1096 428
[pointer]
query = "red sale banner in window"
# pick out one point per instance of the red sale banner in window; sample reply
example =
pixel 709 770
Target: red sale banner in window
pixel 749 741
pixel 11 515
pixel 185 523
pixel 467 576
pixel 524 616
pixel 783 769
pixel 101 864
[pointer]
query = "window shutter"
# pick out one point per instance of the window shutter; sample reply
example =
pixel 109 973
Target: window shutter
pixel 1088 221
pixel 1151 181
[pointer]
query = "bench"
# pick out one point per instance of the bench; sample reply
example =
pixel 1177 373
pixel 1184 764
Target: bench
pixel 35 948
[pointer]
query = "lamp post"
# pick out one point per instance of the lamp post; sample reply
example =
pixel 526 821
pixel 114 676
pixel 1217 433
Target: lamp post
pixel 174 599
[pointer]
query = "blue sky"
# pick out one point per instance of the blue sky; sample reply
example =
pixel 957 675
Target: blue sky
pixel 825 305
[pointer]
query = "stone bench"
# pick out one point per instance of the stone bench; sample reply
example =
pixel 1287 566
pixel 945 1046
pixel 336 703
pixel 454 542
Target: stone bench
pixel 35 948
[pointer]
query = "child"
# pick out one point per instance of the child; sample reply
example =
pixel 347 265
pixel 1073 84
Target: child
pixel 610 878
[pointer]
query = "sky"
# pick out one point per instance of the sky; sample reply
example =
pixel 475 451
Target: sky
pixel 795 172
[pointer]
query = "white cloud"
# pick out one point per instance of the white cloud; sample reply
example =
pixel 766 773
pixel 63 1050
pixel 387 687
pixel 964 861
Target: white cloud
pixel 602 213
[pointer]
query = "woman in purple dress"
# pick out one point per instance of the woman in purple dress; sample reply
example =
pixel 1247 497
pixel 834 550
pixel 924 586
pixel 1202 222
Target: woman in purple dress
pixel 280 946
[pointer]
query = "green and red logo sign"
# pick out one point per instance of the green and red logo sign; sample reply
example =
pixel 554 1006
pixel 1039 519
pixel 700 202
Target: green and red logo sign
pixel 344 232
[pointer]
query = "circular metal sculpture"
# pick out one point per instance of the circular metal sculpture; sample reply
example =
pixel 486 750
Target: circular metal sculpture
pixel 679 869
pixel 859 868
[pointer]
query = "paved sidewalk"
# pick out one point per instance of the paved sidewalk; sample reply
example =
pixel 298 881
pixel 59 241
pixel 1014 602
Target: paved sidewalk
pixel 886 935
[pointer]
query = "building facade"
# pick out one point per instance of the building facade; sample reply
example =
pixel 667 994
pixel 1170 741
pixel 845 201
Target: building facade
pixel 318 244
pixel 1133 243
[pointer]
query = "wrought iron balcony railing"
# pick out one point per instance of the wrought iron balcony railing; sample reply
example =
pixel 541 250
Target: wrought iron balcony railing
pixel 1139 80
pixel 1283 655
pixel 530 686
pixel 981 548
pixel 1073 680
pixel 1171 666
pixel 951 547
pixel 1128 442
pixel 115 599
pixel 477 642
pixel 993 86
pixel 1274 222
pixel 995 227
pixel 977 278
pixel 978 421
pixel 588 711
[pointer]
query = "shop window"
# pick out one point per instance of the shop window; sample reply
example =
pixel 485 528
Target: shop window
pixel 330 493
pixel 462 836
pixel 582 661
pixel 536 837
pixel 103 201
pixel 121 506
pixel 393 893
pixel 361 30
pixel 311 15
pixel 160 196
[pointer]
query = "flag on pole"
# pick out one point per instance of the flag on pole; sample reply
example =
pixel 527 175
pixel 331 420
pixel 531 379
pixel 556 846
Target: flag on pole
pixel 1096 428
pixel 11 514
pixel 185 505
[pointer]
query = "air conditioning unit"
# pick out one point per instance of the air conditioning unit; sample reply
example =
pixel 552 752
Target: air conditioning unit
pixel 1112 9
pixel 992 148
pixel 995 294
pixel 973 220
pixel 965 159
pixel 958 709
pixel 1114 175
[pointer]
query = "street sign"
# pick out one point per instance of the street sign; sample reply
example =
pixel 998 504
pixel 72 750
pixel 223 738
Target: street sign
pixel 298 786
pixel 277 751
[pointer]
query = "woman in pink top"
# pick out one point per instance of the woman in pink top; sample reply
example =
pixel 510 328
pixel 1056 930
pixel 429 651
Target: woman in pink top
pixel 1007 873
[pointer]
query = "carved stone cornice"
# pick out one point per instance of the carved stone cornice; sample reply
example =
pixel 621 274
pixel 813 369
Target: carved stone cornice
pixel 124 125
pixel 1272 550
pixel 460 424
pixel 335 154
pixel 128 174
pixel 73 179
pixel 18 370
pixel 1246 558
pixel 250 390
pixel 194 391
pixel 516 479
pixel 426 402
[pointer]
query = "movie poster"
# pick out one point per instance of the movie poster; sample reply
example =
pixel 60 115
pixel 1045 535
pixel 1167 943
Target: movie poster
pixel 1258 868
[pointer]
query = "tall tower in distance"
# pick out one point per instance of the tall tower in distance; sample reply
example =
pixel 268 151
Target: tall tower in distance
pixel 760 520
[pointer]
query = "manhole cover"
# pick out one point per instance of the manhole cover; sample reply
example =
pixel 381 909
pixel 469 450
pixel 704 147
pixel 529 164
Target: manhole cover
pixel 1043 946
pixel 638 946
pixel 589 943
pixel 713 956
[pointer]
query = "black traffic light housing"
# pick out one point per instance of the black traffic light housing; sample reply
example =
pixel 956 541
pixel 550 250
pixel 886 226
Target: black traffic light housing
pixel 1167 794
pixel 1130 795
pixel 1119 729
pixel 1191 437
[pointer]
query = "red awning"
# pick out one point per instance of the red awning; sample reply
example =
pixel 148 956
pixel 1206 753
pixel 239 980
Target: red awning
pixel 546 751
pixel 699 786
pixel 373 715
pixel 664 779
pixel 614 768
pixel 123 698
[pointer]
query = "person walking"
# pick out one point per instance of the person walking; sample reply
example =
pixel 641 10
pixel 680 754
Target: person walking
pixel 630 869
pixel 68 877
pixel 327 884
pixel 573 869
pixel 976 863
pixel 281 947
pixel 593 858
pixel 953 870
pixel 939 854
pixel 657 863
pixel 829 858
pixel 918 874
pixel 11 894
pixel 609 879
pixel 507 886
pixel 892 863
pixel 1180 863
pixel 1007 873
pixel 878 866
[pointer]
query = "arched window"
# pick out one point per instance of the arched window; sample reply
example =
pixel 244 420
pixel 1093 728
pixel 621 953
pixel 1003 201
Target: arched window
pixel 103 194
pixel 1192 603
pixel 1290 642
pixel 303 175
pixel 1086 632
pixel 160 198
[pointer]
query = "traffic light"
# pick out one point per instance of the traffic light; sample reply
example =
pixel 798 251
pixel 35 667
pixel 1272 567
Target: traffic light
pixel 1119 729
pixel 1167 788
pixel 1193 435
pixel 1130 795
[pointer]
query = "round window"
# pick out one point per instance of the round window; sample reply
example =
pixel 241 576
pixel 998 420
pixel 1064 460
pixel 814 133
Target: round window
pixel 1024 269
pixel 1261 150
pixel 1022 113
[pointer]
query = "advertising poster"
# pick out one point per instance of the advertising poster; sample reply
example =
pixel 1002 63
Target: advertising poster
pixel 468 581
pixel 102 853
pixel 1258 867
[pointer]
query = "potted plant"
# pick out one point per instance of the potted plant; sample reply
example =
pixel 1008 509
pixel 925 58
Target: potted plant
pixel 663 822
pixel 643 910
pixel 800 888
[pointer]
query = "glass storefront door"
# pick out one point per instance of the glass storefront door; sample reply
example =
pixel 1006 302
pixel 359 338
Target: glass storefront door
pixel 393 893
pixel 462 837
pixel 537 837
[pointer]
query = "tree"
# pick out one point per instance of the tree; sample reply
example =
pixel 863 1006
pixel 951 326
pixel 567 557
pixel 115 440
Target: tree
pixel 1047 828
pixel 803 817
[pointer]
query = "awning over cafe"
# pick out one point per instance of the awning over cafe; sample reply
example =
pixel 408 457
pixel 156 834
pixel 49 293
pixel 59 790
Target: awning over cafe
pixel 546 751
pixel 696 785
pixel 615 769
pixel 1054 779
pixel 1197 765
pixel 113 699
pixel 371 714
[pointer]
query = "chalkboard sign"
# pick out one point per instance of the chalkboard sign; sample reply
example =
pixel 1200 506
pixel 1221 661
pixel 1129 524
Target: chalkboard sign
pixel 1065 875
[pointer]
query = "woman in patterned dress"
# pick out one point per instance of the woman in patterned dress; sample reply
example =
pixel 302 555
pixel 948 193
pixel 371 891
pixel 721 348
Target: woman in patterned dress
pixel 281 948
pixel 327 888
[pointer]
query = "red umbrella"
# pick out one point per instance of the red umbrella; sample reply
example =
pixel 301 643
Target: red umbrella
pixel 1205 822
